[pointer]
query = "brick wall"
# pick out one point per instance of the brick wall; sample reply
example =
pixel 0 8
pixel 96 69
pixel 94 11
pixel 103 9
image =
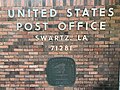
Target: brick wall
pixel 23 58
pixel 57 2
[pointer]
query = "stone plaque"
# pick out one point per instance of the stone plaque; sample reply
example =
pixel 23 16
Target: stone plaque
pixel 61 71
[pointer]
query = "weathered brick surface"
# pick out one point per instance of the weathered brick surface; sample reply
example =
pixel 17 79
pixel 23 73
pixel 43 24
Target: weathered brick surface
pixel 23 58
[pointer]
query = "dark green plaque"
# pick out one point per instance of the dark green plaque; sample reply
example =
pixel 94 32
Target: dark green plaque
pixel 61 71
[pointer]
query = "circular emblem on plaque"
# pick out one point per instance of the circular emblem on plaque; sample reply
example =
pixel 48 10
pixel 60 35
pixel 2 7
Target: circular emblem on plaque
pixel 61 71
